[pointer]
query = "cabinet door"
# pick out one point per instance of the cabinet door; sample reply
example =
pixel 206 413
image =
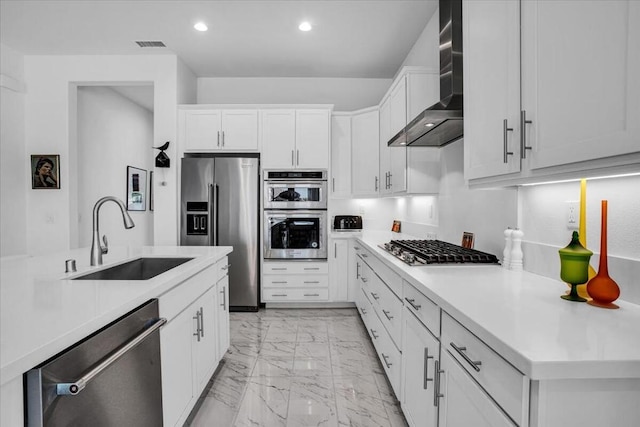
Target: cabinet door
pixel 354 270
pixel 341 156
pixel 491 38
pixel 397 121
pixel 312 139
pixel 223 316
pixel 385 150
pixel 580 84
pixel 338 270
pixel 201 130
pixel 464 403
pixel 205 347
pixel 421 351
pixel 239 130
pixel 177 381
pixel 364 154
pixel 278 138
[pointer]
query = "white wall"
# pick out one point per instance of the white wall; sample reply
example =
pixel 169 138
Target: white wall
pixel 51 128
pixel 346 94
pixel 14 164
pixel 113 133
pixel 425 52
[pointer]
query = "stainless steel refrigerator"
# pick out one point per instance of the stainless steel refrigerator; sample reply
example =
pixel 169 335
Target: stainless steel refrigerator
pixel 220 207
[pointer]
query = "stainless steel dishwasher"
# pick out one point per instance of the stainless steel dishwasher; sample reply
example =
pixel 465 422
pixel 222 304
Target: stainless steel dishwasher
pixel 111 378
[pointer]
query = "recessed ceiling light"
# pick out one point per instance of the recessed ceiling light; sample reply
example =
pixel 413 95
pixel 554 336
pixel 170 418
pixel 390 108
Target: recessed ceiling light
pixel 305 26
pixel 429 125
pixel 201 26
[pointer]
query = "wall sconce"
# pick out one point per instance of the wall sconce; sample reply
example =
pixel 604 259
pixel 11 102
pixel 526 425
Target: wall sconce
pixel 162 160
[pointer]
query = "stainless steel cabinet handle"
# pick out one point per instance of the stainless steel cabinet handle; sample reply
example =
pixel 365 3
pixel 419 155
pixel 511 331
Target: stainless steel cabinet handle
pixel 335 249
pixel 375 296
pixel 201 322
pixel 364 279
pixel 411 301
pixel 223 138
pixel 197 319
pixel 365 256
pixel 390 185
pixel 376 186
pixel 280 282
pixel 196 226
pixel 436 389
pixel 292 159
pixel 279 295
pixel 279 268
pixel 203 223
pixel 311 268
pixel 333 185
pixel 218 138
pixel 384 357
pixel 363 311
pixel 357 248
pixel 298 157
pixel 506 129
pixel 386 313
pixel 311 281
pixel 426 366
pixel 357 270
pixel 226 267
pixel 215 215
pixel 311 295
pixel 373 334
pixel 75 387
pixel 461 351
pixel 224 298
pixel 523 134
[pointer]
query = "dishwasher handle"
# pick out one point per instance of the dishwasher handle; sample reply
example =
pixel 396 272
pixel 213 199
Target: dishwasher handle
pixel 73 388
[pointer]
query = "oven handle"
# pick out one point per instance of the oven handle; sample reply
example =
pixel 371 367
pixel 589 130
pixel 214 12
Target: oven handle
pixel 73 388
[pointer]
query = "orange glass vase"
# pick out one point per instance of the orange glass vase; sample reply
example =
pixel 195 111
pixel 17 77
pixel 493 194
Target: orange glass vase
pixel 602 288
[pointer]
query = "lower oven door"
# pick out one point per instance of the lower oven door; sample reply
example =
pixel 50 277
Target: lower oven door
pixel 295 234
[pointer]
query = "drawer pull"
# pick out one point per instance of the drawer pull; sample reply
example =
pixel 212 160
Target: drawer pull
pixel 357 270
pixel 363 311
pixel 384 357
pixel 279 268
pixel 356 248
pixel 413 304
pixel 436 390
pixel 312 268
pixel 364 279
pixel 461 351
pixel 311 281
pixel 426 365
pixel 375 296
pixel 365 256
pixel 386 313
pixel 311 295
pixel 373 334
pixel 226 267
pixel 280 282
pixel 279 295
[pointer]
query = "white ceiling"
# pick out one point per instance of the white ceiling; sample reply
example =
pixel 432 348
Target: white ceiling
pixel 260 38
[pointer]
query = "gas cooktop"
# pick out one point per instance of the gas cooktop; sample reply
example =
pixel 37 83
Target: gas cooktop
pixel 423 252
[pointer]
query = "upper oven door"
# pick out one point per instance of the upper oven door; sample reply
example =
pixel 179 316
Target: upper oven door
pixel 295 194
pixel 295 235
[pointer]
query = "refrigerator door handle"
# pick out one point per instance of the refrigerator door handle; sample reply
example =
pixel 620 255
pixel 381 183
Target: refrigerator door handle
pixel 215 215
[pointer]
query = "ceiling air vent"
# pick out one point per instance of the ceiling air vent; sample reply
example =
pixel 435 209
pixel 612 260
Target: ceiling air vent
pixel 150 44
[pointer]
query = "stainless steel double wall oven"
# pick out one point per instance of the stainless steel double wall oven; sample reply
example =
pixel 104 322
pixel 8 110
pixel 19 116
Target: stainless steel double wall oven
pixel 295 214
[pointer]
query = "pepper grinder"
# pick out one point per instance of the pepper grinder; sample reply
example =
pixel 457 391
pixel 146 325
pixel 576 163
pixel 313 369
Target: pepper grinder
pixel 516 250
pixel 506 254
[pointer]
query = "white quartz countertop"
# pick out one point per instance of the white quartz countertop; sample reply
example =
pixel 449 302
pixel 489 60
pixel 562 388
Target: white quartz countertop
pixel 522 317
pixel 43 311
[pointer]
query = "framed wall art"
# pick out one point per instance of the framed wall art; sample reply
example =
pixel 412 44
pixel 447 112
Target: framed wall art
pixel 45 171
pixel 136 188
pixel 151 190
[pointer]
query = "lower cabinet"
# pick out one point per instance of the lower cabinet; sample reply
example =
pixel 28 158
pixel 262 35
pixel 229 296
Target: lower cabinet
pixel 339 270
pixel 295 281
pixel 193 340
pixel 420 355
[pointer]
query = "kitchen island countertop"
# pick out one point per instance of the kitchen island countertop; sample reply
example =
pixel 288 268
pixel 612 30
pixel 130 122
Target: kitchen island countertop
pixel 43 311
pixel 522 317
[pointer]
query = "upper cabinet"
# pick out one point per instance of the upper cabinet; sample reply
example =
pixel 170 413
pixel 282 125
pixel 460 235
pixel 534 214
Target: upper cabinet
pixel 365 137
pixel 203 130
pixel 340 185
pixel 295 138
pixel 573 113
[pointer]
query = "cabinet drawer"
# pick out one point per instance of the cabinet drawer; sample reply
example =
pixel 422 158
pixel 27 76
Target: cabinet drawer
pixel 388 276
pixel 389 356
pixel 294 281
pixel 177 299
pixel 287 294
pixel 364 307
pixel 424 309
pixel 296 267
pixel 506 385
pixel 389 310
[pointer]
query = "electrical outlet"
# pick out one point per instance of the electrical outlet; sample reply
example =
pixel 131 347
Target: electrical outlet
pixel 573 215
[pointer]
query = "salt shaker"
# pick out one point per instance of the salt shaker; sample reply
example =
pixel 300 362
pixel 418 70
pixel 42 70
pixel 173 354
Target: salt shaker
pixel 506 254
pixel 516 250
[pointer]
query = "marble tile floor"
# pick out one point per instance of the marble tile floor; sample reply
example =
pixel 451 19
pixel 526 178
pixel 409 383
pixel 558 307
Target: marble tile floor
pixel 298 368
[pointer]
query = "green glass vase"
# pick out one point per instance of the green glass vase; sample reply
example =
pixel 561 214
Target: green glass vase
pixel 574 266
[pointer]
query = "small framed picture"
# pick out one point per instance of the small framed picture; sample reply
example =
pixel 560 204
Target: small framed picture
pixel 45 170
pixel 151 190
pixel 396 226
pixel 136 187
pixel 467 240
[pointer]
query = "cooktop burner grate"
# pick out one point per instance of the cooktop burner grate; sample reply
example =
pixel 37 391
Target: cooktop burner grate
pixel 421 252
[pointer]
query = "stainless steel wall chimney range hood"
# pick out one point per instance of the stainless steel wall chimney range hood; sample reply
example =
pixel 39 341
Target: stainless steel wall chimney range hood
pixel 442 123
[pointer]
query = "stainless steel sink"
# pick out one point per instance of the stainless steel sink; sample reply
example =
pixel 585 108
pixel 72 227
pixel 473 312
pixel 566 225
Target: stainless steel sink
pixel 138 269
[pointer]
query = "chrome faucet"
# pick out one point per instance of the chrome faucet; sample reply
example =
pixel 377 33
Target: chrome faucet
pixel 96 248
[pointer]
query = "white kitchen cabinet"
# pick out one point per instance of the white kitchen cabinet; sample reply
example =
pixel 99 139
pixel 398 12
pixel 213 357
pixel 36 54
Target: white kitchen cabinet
pixel 295 138
pixel 223 313
pixel 385 150
pixel 542 98
pixel 340 185
pixel 339 270
pixel 463 402
pixel 420 353
pixel 295 281
pixel 365 139
pixel 205 345
pixel 203 130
